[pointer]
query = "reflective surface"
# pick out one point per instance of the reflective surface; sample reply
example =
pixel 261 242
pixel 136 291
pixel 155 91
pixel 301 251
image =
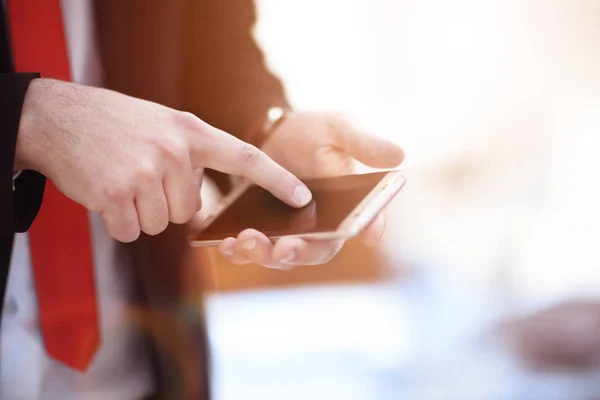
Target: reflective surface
pixel 334 199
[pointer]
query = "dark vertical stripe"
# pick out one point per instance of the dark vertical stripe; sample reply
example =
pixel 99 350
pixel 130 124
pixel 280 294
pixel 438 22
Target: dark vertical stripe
pixel 6 64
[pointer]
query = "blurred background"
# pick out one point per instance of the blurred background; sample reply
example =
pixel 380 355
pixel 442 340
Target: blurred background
pixel 497 104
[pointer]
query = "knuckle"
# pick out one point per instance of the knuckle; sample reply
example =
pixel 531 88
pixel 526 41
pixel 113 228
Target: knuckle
pixel 117 194
pixel 195 132
pixel 186 120
pixel 174 150
pixel 146 174
pixel 249 154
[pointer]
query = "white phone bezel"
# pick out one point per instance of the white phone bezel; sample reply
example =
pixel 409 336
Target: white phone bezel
pixel 355 222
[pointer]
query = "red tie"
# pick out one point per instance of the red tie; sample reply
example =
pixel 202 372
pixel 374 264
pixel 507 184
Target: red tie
pixel 60 240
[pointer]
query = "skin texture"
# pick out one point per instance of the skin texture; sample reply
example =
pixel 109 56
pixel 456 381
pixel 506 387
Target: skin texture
pixel 314 145
pixel 136 163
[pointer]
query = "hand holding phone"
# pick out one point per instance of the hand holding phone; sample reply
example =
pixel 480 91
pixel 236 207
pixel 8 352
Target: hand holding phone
pixel 341 207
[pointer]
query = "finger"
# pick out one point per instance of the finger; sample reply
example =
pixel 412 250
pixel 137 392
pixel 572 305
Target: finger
pixel 152 208
pixel 368 149
pixel 373 232
pixel 227 249
pixel 216 149
pixel 122 221
pixel 295 251
pixel 256 247
pixel 182 192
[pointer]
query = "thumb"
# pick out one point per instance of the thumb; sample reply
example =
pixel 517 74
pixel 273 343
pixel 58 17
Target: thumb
pixel 368 149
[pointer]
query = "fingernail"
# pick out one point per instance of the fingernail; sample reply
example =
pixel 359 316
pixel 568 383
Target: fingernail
pixel 249 245
pixel 290 257
pixel 228 252
pixel 302 195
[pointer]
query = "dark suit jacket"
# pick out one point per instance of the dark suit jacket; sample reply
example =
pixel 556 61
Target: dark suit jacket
pixel 18 208
pixel 193 55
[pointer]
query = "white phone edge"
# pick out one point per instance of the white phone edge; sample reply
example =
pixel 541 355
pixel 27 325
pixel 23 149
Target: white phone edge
pixel 356 221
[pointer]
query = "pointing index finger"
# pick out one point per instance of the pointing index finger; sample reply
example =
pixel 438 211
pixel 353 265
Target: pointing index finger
pixel 223 152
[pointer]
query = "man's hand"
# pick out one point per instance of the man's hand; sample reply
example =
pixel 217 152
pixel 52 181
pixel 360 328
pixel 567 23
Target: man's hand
pixel 137 163
pixel 314 145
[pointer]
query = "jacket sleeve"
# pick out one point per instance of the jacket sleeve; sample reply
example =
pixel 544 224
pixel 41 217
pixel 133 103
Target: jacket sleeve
pixel 20 204
pixel 231 86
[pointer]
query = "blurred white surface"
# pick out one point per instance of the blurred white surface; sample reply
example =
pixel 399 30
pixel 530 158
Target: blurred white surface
pixel 364 343
pixel 306 343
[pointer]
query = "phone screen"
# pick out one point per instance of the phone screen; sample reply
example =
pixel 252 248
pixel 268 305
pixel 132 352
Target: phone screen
pixel 333 200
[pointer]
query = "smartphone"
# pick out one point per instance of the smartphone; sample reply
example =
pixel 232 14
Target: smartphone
pixel 341 207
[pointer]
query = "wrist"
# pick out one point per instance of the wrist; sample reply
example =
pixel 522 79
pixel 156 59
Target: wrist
pixel 29 149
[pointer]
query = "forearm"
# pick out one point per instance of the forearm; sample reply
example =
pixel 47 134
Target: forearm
pixel 18 207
